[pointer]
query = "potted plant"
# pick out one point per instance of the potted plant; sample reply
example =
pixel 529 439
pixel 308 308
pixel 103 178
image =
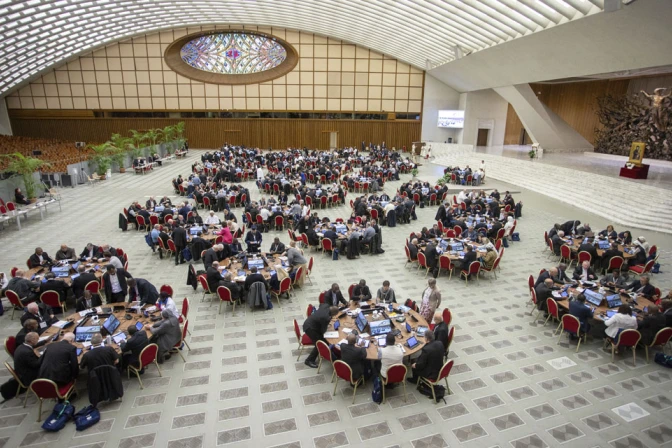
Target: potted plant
pixel 179 135
pixel 25 166
pixel 414 172
pixel 135 147
pixel 118 150
pixel 152 136
pixel 532 153
pixel 101 158
pixel 168 137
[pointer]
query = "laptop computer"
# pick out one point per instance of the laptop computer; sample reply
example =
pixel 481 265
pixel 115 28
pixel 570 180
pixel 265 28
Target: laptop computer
pixel 593 297
pixel 119 338
pixel 83 334
pixel 139 326
pixel 111 324
pixel 337 325
pixel 159 208
pixel 194 230
pixel 364 342
pixel 603 244
pixel 361 322
pixel 614 300
pixel 380 327
pixel 412 342
pixel 62 274
pixel 258 263
pixel 408 327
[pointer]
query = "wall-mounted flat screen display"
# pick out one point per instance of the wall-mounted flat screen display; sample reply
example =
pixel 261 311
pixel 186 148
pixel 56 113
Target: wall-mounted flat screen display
pixel 451 119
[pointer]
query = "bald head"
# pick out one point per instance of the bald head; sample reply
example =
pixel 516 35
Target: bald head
pixel 351 339
pixel 32 308
pixel 32 338
pixel 70 337
pixel 438 317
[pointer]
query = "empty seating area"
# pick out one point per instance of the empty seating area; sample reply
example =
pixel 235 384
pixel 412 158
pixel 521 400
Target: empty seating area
pixel 58 153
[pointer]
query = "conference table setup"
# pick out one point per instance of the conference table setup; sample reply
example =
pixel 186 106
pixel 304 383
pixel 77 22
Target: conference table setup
pixel 604 301
pixel 601 245
pixel 12 211
pixel 66 272
pixel 371 322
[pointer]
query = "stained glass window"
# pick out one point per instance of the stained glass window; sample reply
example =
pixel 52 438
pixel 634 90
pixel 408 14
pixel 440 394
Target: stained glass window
pixel 233 53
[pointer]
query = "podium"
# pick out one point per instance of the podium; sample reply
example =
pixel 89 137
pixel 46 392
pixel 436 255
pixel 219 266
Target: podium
pixel 636 172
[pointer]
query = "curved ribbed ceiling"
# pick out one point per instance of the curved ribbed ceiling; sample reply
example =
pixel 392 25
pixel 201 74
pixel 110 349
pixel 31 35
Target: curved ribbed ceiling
pixel 36 35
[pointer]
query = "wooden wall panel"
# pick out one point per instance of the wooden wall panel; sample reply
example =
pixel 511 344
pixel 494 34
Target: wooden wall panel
pixel 213 132
pixel 513 127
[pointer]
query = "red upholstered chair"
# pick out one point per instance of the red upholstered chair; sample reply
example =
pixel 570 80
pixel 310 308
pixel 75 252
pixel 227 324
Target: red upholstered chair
pixel 148 355
pixel 323 201
pixel 451 334
pixel 325 353
pixel 284 288
pixel 662 338
pixel 422 262
pixel 533 294
pixel 615 263
pixel 572 326
pixel 351 290
pixel 321 299
pixel 141 222
pixel 653 250
pixel 206 202
pixel 327 245
pixel 172 249
pixel 450 233
pixel 408 257
pixel 184 314
pixel 297 277
pixel 344 372
pixel 553 311
pixel 10 345
pixel 153 220
pixel 642 269
pixel 396 373
pixel 309 269
pixel 46 389
pixel 439 225
pixel 310 310
pixel 474 269
pixel 224 295
pixel 432 199
pixel 167 289
pixel 443 375
pixel 494 267
pixel 446 263
pixel 13 271
pixel 52 299
pixel 14 300
pixel 178 345
pixel 584 256
pixel 302 339
pixel 202 279
pixel 626 338
pixel 566 255
pixel 545 241
pixel 416 198
pixel 458 231
pixel 498 245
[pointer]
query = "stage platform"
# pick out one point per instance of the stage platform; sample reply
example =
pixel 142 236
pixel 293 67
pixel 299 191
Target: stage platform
pixel 587 181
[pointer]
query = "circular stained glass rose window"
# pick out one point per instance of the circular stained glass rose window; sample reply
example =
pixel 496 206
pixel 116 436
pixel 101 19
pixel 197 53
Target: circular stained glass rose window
pixel 231 57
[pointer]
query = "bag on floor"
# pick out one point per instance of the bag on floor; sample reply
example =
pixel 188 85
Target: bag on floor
pixel 663 359
pixel 439 392
pixel 186 253
pixel 377 392
pixel 61 414
pixel 515 236
pixel 148 240
pixel 334 254
pixel 9 389
pixel 505 242
pixel 654 270
pixel 86 417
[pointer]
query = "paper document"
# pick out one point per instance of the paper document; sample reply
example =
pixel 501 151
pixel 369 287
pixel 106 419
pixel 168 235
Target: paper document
pixel 60 324
pixel 331 335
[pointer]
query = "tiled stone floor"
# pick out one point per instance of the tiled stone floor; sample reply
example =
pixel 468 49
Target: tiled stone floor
pixel 242 385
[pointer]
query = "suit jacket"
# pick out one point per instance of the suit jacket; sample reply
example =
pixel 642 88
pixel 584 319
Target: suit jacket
pixel 318 322
pixel 235 288
pixel 147 292
pixel 579 271
pixel 210 257
pixel 277 248
pixel 80 283
pixel 543 276
pixel 354 357
pixel 441 334
pixel 179 237
pixel 469 257
pixel 122 276
pixel 609 278
pixel 543 293
pixel 35 260
pixel 166 333
pixel 43 314
pixel 607 254
pixel 648 327
pixel 100 356
pixel 134 345
pixel 253 237
pixel 252 278
pixel 67 255
pixel 581 312
pixel 80 305
pixel 55 285
pixel 330 234
pixel 557 242
pixel 213 277
pixel 26 363
pixel 86 254
pixel 59 363
pixel 359 290
pixel 430 361
pixel 431 255
pixel 648 291
pixel 329 299
pixel 413 249
pixel 585 247
pixel 561 277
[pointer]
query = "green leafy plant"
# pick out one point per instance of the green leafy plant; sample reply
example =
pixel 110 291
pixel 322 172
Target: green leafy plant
pixel 444 180
pixel 414 172
pixel 179 134
pixel 25 166
pixel 168 136
pixel 152 136
pixel 101 157
pixel 532 153
pixel 118 149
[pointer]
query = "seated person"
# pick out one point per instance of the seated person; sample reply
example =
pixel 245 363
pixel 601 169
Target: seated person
pixel 613 251
pixel 609 233
pixel 87 301
pixel 640 253
pixel 212 219
pixel 361 292
pixel 132 347
pixel 24 288
pixel 386 294
pixel 296 259
pixel 98 354
pixel 333 296
pixel 561 276
pixel 166 333
pixel 642 287
pixel 39 258
pixel 235 288
pixel 544 291
pixel 622 320
pixel 614 280
pixel 26 362
pixel 41 313
pixel 581 311
pixel 584 272
pixel 253 240
pixel 165 302
pixel 51 284
pixel 277 247
pixel 59 361
pixel 20 198
pixel 140 290
pixel 253 277
pixel 469 257
pixel 557 242
pixel 66 253
pixel 650 324
pixel 235 247
pixel 354 355
pixel 430 361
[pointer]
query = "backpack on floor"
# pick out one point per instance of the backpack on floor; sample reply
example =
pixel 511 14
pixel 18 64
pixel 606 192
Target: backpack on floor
pixel 334 254
pixel 86 417
pixel 61 414
pixel 663 359
pixel 377 392
pixel 439 391
pixel 186 253
pixel 515 236
pixel 148 240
